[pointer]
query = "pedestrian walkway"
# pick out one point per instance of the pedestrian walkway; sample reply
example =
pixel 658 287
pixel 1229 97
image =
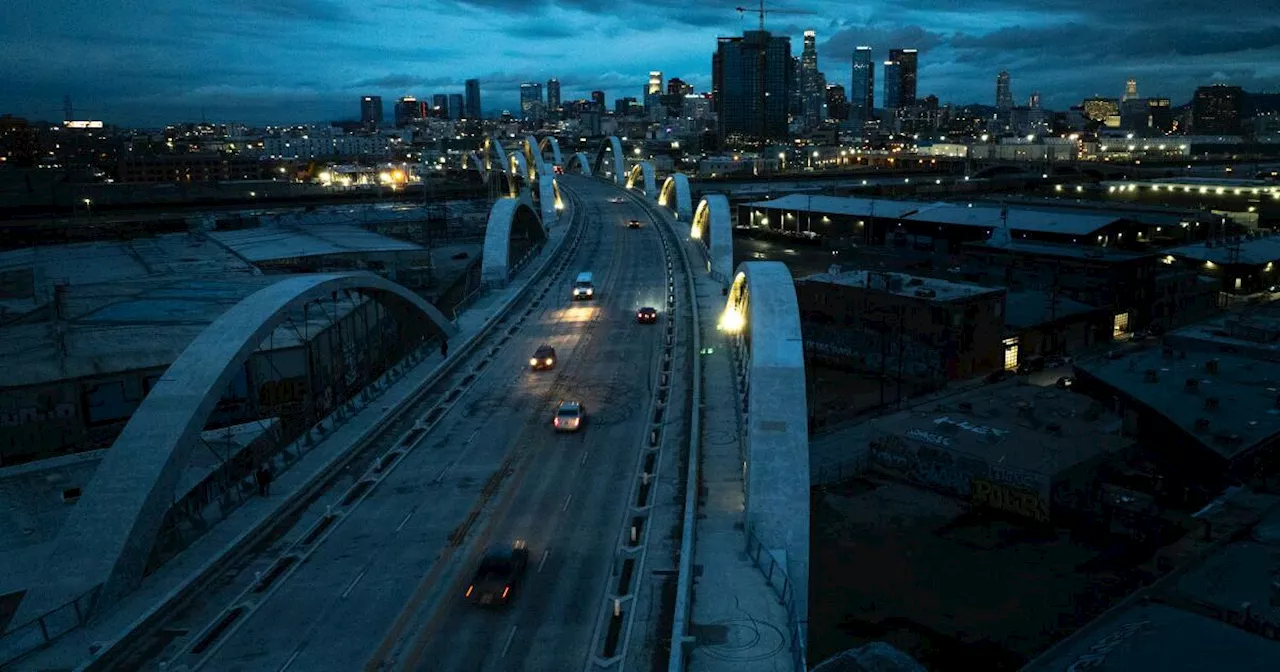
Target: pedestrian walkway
pixel 739 623
pixel 202 562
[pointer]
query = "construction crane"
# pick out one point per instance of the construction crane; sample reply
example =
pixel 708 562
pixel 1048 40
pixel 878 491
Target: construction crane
pixel 769 10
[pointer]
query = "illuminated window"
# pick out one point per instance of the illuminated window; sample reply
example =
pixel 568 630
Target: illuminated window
pixel 1011 354
pixel 1120 327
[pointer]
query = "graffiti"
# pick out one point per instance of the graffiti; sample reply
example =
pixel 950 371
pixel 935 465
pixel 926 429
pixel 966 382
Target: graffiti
pixel 1097 656
pixel 1017 501
pixel 274 394
pixel 976 429
pixel 890 453
pixel 938 468
pixel 32 415
pixel 929 437
pixel 1015 477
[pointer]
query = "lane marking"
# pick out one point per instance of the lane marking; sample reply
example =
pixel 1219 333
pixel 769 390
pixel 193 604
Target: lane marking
pixel 352 587
pixel 508 644
pixel 544 559
pixel 473 436
pixel 407 516
pixel 289 662
pixel 584 457
pixel 566 502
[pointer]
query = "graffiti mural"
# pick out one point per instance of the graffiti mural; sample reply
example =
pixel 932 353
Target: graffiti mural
pixel 1009 499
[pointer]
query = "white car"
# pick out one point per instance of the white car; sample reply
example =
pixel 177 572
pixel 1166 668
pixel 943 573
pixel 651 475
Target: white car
pixel 617 199
pixel 569 417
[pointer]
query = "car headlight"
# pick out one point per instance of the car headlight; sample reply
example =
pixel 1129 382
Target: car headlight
pixel 533 362
pixel 589 291
pixel 548 361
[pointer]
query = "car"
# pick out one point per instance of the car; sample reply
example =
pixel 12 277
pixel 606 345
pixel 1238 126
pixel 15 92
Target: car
pixel 498 575
pixel 617 199
pixel 647 315
pixel 569 416
pixel 1057 361
pixel 633 223
pixel 543 359
pixel 1031 364
pixel 1065 382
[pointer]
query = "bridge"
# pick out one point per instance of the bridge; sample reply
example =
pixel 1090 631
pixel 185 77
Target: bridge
pixel 366 564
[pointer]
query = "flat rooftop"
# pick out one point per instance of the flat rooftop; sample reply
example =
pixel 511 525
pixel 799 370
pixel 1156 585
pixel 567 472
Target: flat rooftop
pixel 1246 390
pixel 1030 220
pixel 290 240
pixel 837 205
pixel 1011 424
pixel 1028 308
pixel 1062 250
pixel 905 285
pixel 1251 251
pixel 1252 333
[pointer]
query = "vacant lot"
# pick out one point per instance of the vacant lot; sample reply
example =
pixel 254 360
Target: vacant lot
pixel 957 590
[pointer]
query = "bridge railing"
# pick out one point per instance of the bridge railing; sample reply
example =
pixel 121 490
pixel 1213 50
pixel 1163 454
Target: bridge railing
pixel 18 641
pixel 776 574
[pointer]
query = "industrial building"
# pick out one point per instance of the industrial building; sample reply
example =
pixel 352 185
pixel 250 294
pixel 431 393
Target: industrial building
pixel 1242 264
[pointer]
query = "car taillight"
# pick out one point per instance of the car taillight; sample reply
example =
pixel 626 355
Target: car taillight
pixel 556 422
pixel 505 591
pixel 469 589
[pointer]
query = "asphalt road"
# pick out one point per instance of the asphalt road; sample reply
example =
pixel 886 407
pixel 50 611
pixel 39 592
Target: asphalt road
pixel 390 564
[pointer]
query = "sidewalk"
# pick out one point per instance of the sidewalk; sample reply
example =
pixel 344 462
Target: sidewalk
pixel 738 621
pixel 201 561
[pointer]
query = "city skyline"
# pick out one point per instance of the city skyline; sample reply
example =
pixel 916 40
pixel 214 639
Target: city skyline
pixel 238 68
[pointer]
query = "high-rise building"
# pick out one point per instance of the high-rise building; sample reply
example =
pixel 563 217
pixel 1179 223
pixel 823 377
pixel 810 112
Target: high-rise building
pixel 751 76
pixel 1130 91
pixel 862 95
pixel 1159 115
pixel 908 62
pixel 371 110
pixel 597 97
pixel 1101 109
pixel 553 94
pixel 440 105
pixel 892 85
pixel 812 93
pixel 455 105
pixel 624 107
pixel 837 103
pixel 1217 110
pixel 409 110
pixel 1004 94
pixel 655 83
pixel 1033 101
pixel 531 101
pixel 677 87
pixel 473 99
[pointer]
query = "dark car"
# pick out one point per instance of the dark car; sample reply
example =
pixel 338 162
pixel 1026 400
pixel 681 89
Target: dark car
pixel 544 358
pixel 1031 364
pixel 633 223
pixel 1065 382
pixel 498 574
pixel 647 315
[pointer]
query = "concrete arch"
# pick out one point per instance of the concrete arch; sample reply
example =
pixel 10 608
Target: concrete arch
pixel 713 229
pixel 619 165
pixel 108 537
pixel 583 163
pixel 676 194
pixel 549 203
pixel 511 220
pixel 550 141
pixel 476 163
pixel 521 168
pixel 495 156
pixel 533 156
pixel 763 319
pixel 643 171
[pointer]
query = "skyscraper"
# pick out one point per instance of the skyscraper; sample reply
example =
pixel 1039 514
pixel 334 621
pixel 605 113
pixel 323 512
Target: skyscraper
pixel 750 79
pixel 812 94
pixel 440 105
pixel 1130 91
pixel 553 94
pixel 1034 101
pixel 1004 94
pixel 677 87
pixel 408 110
pixel 531 101
pixel 655 83
pixel 455 106
pixel 892 85
pixel 837 103
pixel 371 110
pixel 1217 109
pixel 907 59
pixel 597 97
pixel 473 99
pixel 862 94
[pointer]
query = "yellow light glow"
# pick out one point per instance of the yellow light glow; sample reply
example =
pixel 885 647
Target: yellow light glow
pixel 695 231
pixel 732 321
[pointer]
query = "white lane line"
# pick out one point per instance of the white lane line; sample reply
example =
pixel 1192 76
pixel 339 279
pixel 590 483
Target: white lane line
pixel 566 502
pixel 289 662
pixel 473 435
pixel 407 516
pixel 352 586
pixel 584 457
pixel 508 644
pixel 545 554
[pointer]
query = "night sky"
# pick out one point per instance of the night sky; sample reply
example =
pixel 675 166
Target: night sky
pixel 148 62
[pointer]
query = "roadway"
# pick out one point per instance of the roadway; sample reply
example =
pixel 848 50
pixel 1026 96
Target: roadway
pixel 388 581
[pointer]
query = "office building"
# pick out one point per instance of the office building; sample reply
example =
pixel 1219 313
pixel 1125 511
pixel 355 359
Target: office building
pixel 1159 115
pixel 655 83
pixel 1004 94
pixel 553 94
pixel 751 76
pixel 409 110
pixel 440 106
pixel 625 106
pixel 597 97
pixel 1101 109
pixel 812 92
pixel 677 87
pixel 837 103
pixel 892 85
pixel 1130 91
pixel 907 60
pixel 1033 101
pixel 473 99
pixel 531 101
pixel 862 101
pixel 371 110
pixel 456 105
pixel 1216 110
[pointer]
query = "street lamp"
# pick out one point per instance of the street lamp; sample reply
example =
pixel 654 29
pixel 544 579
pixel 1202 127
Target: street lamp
pixel 88 206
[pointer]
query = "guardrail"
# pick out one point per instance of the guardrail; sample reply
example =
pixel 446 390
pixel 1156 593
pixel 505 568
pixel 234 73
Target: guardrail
pixel 785 592
pixel 177 599
pixel 42 630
